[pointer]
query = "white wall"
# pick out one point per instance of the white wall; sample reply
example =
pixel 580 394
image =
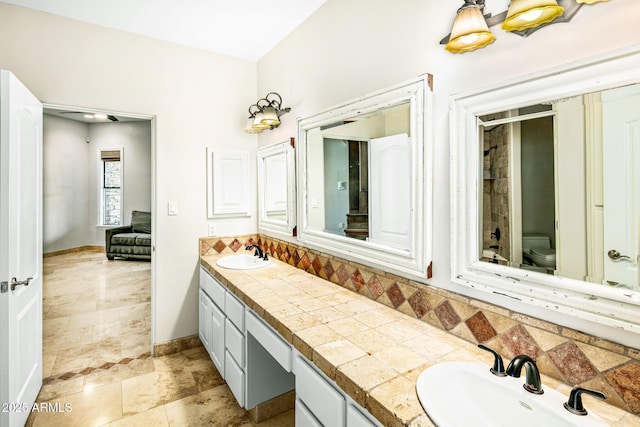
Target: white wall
pixel 346 49
pixel 349 48
pixel 134 138
pixel 65 185
pixel 198 99
pixel 71 180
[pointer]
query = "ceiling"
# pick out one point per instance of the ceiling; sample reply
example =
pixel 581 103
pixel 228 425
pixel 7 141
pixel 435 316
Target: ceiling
pixel 88 115
pixel 245 29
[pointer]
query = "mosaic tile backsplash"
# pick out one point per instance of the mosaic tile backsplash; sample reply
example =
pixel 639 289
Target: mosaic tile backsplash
pixel 565 354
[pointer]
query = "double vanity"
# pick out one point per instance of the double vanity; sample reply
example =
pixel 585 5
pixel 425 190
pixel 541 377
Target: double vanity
pixel 351 361
pixel 272 328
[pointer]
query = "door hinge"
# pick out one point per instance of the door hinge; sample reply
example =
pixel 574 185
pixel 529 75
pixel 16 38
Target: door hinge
pixel 4 287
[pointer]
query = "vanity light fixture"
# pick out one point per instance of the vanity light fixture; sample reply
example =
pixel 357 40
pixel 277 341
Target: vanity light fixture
pixel 522 18
pixel 470 30
pixel 265 113
pixel 525 14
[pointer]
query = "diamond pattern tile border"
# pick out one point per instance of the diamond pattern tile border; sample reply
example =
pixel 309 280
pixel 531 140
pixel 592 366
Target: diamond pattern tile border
pixel 510 333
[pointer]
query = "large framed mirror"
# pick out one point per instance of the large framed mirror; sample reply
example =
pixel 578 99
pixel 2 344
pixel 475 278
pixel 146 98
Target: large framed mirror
pixel 364 179
pixel 546 195
pixel 276 189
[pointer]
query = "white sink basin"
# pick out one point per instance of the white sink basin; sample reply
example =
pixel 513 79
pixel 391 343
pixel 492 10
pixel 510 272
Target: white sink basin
pixel 242 262
pixel 463 394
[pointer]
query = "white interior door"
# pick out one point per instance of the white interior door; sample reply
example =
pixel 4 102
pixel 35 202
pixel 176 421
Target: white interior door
pixel 20 250
pixel 621 168
pixel 390 189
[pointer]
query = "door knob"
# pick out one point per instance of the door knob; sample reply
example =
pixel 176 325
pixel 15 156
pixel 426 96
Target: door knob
pixel 616 256
pixel 15 282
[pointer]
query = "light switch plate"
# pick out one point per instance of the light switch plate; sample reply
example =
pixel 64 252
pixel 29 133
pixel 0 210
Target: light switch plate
pixel 172 207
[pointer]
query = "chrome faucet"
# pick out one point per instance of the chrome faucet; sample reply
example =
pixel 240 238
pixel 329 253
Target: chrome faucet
pixel 258 252
pixel 532 383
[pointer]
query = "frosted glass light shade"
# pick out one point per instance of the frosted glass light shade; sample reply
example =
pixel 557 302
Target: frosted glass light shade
pixel 270 117
pixel 524 14
pixel 249 127
pixel 258 124
pixel 590 1
pixel 470 31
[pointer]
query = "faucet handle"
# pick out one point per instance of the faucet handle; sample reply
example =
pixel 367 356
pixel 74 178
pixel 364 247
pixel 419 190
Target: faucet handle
pixel 498 365
pixel 574 404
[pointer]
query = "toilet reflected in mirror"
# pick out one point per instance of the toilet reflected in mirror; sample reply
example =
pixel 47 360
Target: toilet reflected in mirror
pixel 537 253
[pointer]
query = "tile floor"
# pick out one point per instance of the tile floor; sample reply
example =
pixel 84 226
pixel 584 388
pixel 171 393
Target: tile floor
pixel 96 364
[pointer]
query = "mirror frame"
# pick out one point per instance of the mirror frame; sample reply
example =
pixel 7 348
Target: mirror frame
pixel 286 228
pixel 606 312
pixel 416 262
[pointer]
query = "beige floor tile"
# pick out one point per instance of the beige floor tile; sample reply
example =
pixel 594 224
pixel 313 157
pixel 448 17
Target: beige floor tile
pixel 119 373
pixel 72 308
pixel 140 394
pixel 61 388
pixel 91 319
pixel 216 408
pixel 90 355
pixel 68 339
pixel 48 360
pixel 90 324
pixel 90 408
pixel 156 417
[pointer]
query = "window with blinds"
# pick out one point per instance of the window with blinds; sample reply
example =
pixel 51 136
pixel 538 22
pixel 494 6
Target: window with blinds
pixel 111 188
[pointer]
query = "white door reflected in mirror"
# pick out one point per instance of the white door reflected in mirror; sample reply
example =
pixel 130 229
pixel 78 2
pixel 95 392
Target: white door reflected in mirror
pixel 545 208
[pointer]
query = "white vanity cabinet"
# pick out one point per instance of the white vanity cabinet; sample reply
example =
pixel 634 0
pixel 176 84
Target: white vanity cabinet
pixel 317 397
pixel 211 318
pixel 258 364
pixel 221 329
pixel 234 361
pixel 320 402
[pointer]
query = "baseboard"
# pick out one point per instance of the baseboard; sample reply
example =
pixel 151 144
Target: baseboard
pixel 77 249
pixel 272 408
pixel 176 346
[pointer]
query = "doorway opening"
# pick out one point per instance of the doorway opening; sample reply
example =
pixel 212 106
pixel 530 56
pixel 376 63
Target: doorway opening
pixel 104 306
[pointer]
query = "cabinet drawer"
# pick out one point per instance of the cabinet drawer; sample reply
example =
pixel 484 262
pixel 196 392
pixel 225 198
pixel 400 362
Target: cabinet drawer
pixel 304 418
pixel 357 418
pixel 321 398
pixel 234 342
pixel 214 289
pixel 234 376
pixel 234 309
pixel 279 349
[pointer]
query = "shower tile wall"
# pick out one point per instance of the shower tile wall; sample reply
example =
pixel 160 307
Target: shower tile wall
pixel 496 189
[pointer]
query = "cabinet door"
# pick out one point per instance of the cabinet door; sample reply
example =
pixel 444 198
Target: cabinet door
pixel 322 399
pixel 204 320
pixel 304 418
pixel 217 338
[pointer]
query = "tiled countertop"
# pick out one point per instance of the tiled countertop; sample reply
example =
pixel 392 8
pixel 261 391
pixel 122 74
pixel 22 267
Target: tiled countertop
pixel 374 353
